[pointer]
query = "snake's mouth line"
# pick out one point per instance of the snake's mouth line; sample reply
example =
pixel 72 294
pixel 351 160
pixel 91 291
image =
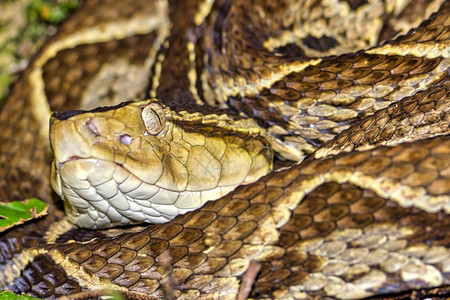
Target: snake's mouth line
pixel 70 159
pixel 74 158
pixel 77 158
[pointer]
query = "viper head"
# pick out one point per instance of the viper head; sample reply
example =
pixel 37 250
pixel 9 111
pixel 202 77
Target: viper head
pixel 142 162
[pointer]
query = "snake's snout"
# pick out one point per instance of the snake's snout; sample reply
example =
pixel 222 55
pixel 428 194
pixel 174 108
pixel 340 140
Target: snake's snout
pixel 65 141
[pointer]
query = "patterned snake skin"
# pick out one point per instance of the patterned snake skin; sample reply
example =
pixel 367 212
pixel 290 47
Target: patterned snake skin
pixel 364 214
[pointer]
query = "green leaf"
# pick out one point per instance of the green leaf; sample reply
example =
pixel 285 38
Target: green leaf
pixel 11 296
pixel 51 11
pixel 18 212
pixel 115 295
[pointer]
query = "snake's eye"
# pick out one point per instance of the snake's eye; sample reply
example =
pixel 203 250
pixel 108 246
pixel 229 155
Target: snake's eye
pixel 154 118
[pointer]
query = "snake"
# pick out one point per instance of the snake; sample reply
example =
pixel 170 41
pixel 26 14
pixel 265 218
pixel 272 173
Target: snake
pixel 172 113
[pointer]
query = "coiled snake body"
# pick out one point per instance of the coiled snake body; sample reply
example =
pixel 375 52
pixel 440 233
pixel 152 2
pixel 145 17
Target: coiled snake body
pixel 364 214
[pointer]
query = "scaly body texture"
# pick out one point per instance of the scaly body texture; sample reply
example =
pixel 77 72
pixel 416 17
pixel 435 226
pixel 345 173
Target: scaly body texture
pixel 358 90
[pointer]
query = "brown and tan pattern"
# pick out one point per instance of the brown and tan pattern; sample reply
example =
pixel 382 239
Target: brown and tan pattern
pixel 365 83
pixel 313 231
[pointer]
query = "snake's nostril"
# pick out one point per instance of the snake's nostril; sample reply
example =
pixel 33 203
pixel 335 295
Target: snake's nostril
pixel 92 128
